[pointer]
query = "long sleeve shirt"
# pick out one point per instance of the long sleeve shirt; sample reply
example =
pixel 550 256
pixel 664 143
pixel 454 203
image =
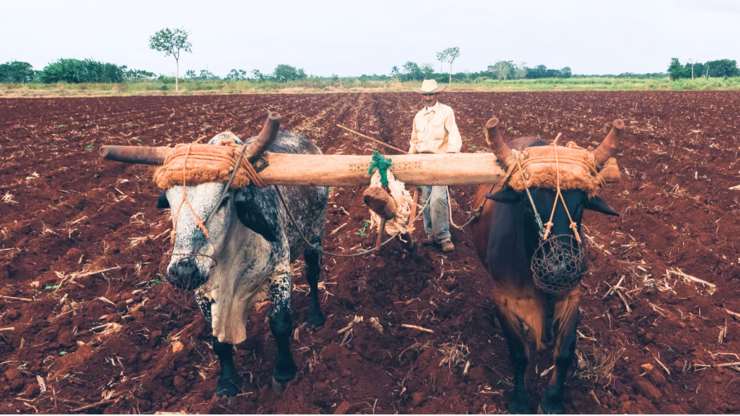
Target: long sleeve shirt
pixel 435 131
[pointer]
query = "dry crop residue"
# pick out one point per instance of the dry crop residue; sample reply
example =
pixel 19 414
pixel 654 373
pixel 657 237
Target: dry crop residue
pixel 85 309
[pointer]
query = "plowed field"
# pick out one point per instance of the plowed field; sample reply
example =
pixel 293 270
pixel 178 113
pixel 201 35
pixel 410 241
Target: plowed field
pixel 85 310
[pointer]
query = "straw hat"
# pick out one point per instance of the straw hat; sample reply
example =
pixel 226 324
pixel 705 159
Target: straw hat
pixel 429 86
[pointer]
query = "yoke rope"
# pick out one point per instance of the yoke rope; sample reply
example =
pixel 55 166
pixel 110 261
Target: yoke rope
pixel 573 226
pixel 252 175
pixel 383 164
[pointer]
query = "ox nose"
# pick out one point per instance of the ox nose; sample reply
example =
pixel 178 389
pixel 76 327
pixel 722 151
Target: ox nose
pixel 184 274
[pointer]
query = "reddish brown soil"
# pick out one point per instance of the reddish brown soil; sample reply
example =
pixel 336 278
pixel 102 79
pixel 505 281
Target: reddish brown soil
pixel 71 212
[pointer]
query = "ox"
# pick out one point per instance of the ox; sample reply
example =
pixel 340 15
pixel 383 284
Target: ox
pixel 507 237
pixel 247 254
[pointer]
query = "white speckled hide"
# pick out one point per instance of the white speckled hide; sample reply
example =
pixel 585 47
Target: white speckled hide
pixel 251 238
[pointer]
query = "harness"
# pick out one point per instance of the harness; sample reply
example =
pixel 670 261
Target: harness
pixel 557 263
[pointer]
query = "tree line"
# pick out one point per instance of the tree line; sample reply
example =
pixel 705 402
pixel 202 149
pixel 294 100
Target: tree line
pixel 503 70
pixel 76 71
pixel 73 71
pixel 711 69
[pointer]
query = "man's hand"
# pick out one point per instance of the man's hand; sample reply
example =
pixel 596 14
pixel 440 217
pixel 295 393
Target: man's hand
pixel 412 151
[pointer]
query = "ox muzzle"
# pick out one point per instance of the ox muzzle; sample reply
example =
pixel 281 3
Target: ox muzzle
pixel 558 264
pixel 185 274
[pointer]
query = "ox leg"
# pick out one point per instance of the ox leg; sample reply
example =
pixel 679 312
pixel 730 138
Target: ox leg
pixel 281 325
pixel 519 356
pixel 313 270
pixel 228 382
pixel 564 325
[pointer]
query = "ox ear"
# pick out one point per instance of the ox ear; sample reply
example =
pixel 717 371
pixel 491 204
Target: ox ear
pixel 505 196
pixel 599 205
pixel 162 201
pixel 253 209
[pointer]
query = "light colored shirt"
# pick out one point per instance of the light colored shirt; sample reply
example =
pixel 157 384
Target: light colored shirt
pixel 435 131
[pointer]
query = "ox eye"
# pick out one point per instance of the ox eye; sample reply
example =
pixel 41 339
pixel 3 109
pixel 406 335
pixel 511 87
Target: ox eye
pixel 579 211
pixel 224 203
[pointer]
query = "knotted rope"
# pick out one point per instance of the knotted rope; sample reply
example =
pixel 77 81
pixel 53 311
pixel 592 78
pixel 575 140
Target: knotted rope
pixel 383 164
pixel 573 226
pixel 212 163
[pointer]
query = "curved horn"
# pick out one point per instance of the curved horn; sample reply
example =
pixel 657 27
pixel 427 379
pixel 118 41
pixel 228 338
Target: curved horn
pixel 136 154
pixel 266 137
pixel 608 148
pixel 500 149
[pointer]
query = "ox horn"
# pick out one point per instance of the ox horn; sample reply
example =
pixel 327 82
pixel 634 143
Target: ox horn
pixel 500 149
pixel 608 148
pixel 148 155
pixel 266 137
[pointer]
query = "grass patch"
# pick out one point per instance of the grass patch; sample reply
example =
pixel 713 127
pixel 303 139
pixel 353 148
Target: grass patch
pixel 195 87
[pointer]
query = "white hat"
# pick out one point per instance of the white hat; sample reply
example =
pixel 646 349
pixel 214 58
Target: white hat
pixel 429 86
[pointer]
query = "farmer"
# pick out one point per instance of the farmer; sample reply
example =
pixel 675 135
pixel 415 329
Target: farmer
pixel 435 131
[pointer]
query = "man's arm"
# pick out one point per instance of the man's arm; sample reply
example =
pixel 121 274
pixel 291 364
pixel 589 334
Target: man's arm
pixel 454 141
pixel 414 138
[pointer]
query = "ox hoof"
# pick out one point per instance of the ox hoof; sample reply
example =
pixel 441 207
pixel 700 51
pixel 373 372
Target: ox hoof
pixel 518 408
pixel 278 387
pixel 551 410
pixel 315 320
pixel 227 387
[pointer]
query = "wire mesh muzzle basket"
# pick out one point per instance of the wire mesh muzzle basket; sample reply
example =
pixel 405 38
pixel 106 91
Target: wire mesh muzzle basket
pixel 558 264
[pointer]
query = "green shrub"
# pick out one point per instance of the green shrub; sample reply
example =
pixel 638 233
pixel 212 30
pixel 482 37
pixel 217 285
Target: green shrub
pixel 75 71
pixel 16 72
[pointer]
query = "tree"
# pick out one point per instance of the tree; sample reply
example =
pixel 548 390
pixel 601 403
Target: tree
pixel 723 68
pixel 206 74
pixel 15 71
pixel 191 74
pixel 395 73
pixel 135 74
pixel 257 75
pixel 449 55
pixel 427 70
pixel 413 70
pixel 171 42
pixel 519 71
pixel 75 71
pixel 501 69
pixel 285 73
pixel 675 70
pixel 692 62
pixel 566 72
pixel 236 75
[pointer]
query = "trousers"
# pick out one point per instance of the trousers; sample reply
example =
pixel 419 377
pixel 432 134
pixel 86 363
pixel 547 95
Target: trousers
pixel 436 221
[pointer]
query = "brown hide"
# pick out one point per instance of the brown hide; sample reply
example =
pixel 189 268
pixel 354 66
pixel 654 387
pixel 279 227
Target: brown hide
pixel 481 227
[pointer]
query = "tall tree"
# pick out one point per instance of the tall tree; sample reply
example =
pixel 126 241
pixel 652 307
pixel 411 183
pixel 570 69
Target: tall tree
pixel 501 70
pixel 427 70
pixel 16 71
pixel 413 70
pixel 449 55
pixel 171 42
pixel 675 70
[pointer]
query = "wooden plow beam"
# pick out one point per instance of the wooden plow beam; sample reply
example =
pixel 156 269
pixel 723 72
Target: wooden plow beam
pixel 346 170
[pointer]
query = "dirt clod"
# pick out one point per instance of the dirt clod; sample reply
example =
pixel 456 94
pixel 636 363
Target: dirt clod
pixel 646 389
pixel 342 408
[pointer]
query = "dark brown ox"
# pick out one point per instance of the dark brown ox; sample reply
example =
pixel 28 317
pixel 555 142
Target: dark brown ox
pixel 507 237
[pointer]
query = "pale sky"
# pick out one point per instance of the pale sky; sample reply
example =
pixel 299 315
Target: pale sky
pixel 351 38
